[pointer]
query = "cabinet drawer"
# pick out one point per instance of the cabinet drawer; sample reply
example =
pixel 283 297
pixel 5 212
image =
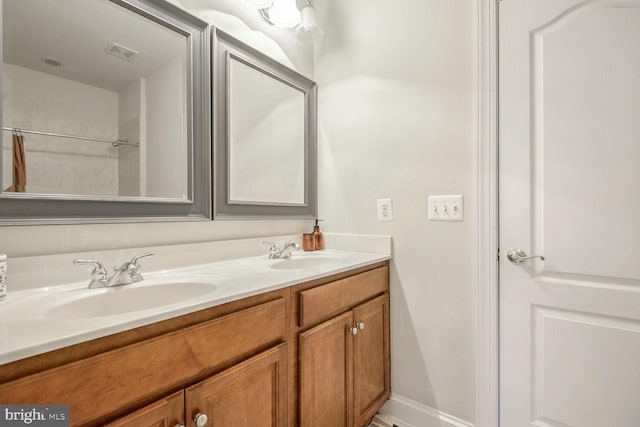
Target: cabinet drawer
pixel 98 385
pixel 323 302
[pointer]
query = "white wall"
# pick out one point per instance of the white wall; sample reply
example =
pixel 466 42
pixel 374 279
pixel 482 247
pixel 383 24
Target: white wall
pixel 130 128
pixel 165 124
pixel 266 129
pixel 44 102
pixel 397 119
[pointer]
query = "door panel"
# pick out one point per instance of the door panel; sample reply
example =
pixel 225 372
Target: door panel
pixel 571 371
pixel 371 383
pixel 166 412
pixel 586 84
pixel 326 374
pixel 569 176
pixel 251 394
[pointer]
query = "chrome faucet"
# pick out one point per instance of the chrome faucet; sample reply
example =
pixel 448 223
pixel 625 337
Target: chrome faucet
pixel 125 274
pixel 98 274
pixel 128 272
pixel 281 253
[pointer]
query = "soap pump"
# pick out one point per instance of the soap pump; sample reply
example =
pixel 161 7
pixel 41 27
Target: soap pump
pixel 318 236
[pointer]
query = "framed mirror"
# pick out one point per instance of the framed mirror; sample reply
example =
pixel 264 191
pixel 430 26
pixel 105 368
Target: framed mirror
pixel 265 120
pixel 105 112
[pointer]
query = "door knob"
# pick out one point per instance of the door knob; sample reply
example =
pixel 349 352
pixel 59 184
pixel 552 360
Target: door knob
pixel 517 256
pixel 200 419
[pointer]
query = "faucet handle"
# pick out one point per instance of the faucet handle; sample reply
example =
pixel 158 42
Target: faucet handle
pixel 136 258
pixel 273 249
pixel 98 274
pixel 134 267
pixel 98 266
pixel 292 243
pixel 288 246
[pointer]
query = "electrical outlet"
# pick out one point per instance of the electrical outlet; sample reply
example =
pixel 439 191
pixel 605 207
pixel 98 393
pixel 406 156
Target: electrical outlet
pixel 446 208
pixel 385 210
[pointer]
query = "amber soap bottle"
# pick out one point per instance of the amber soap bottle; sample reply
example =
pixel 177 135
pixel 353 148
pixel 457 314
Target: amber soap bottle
pixel 318 236
pixel 309 242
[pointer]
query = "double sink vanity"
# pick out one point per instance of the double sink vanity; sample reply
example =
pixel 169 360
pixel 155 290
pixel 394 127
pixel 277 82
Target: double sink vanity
pixel 158 116
pixel 244 342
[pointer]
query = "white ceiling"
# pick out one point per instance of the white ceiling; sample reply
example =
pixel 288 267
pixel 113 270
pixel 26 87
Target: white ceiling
pixel 77 32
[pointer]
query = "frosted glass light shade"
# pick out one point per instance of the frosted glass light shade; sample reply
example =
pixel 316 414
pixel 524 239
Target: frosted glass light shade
pixel 309 29
pixel 284 14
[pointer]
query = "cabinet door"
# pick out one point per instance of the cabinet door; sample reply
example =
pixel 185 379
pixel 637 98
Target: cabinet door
pixel 326 374
pixel 250 394
pixel 371 364
pixel 167 412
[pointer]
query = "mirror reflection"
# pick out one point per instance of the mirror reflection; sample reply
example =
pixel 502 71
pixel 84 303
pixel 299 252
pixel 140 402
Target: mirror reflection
pixel 266 138
pixel 94 102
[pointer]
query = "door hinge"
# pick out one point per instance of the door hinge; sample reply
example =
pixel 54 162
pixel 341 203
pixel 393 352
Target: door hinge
pixel 498 255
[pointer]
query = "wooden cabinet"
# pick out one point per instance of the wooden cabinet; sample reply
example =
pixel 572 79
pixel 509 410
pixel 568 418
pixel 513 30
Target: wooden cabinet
pixel 250 394
pixel 344 362
pixel 112 384
pixel 371 361
pixel 168 412
pixel 284 358
pixel 325 354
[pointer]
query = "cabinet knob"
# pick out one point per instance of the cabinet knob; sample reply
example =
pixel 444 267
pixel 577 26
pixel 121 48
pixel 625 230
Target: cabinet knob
pixel 360 325
pixel 200 419
pixel 179 425
pixel 354 331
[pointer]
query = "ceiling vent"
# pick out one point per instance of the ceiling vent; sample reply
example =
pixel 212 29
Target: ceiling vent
pixel 121 52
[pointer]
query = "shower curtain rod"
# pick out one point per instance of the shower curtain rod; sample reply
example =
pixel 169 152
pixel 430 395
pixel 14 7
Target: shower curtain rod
pixel 114 142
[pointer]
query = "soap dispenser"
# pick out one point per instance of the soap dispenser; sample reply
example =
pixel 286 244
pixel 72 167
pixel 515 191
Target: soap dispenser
pixel 318 237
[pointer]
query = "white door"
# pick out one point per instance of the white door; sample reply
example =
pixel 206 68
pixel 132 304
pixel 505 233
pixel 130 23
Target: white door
pixel 569 78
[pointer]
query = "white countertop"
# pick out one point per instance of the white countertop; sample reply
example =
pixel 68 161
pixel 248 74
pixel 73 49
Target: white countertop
pixel 28 326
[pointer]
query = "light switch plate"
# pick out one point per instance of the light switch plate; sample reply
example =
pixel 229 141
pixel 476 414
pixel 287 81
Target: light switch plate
pixel 385 209
pixel 446 208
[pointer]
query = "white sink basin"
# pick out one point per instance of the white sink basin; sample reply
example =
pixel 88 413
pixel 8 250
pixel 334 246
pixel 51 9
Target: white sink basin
pixel 127 299
pixel 307 262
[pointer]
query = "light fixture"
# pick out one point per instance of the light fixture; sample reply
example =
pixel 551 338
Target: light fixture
pixel 282 14
pixel 309 30
pixel 298 14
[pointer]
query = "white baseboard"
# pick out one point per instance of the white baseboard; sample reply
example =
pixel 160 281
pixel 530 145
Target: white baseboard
pixel 405 412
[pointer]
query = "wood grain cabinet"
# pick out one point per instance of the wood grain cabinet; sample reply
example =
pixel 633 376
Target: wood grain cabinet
pixel 251 394
pixel 344 363
pixel 314 354
pixel 371 361
pixel 326 360
pixel 239 353
pixel 168 412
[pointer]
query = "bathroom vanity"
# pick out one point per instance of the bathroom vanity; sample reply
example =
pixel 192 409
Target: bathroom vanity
pixel 308 351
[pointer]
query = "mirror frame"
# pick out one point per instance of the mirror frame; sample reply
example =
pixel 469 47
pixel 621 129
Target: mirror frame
pixel 69 209
pixel 226 47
